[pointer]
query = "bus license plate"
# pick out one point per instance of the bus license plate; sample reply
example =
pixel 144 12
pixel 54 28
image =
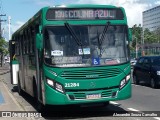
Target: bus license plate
pixel 93 96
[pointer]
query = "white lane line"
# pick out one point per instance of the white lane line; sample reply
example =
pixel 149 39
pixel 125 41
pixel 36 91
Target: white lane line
pixel 157 118
pixel 115 103
pixel 132 109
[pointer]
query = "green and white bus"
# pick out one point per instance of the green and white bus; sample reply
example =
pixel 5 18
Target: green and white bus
pixel 73 54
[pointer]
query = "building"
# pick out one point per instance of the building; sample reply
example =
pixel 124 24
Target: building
pixel 151 18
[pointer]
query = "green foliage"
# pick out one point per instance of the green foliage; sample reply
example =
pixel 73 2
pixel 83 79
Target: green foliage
pixel 137 35
pixel 147 36
pixel 3 47
pixel 150 37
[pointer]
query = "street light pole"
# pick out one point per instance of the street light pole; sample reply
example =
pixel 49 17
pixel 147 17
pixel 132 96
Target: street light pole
pixel 136 48
pixel 9 30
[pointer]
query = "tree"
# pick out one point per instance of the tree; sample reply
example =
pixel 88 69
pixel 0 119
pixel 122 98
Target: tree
pixel 150 37
pixel 157 33
pixel 3 49
pixel 137 35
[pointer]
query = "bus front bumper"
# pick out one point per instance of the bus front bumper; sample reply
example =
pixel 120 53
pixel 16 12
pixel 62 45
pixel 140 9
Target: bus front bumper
pixel 53 97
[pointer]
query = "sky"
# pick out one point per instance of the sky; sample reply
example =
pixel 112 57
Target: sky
pixel 22 10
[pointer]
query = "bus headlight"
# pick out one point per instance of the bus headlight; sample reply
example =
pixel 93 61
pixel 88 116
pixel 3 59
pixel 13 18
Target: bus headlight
pixel 50 82
pixel 124 81
pixel 59 88
pixel 122 84
pixel 55 85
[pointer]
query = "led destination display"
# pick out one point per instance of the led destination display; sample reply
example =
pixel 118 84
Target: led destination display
pixel 55 14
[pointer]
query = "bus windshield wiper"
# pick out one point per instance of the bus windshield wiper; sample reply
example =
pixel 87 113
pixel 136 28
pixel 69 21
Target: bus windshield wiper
pixel 73 34
pixel 104 32
pixel 99 44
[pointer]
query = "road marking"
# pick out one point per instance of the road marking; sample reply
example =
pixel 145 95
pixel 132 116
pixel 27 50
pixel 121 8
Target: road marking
pixel 157 118
pixel 132 109
pixel 115 103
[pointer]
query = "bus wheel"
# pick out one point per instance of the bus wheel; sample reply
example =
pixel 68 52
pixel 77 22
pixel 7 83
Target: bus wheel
pixel 106 104
pixel 19 87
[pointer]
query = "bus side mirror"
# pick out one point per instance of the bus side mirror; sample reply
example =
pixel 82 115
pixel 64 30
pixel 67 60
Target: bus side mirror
pixel 130 34
pixel 39 42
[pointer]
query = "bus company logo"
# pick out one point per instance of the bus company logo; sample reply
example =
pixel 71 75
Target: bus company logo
pixel 92 84
pixel 92 76
pixel 6 114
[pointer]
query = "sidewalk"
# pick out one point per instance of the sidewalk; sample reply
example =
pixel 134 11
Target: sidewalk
pixel 8 104
pixel 4 69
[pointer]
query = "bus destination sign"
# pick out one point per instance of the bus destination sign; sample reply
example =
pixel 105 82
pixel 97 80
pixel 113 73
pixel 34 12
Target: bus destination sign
pixel 56 14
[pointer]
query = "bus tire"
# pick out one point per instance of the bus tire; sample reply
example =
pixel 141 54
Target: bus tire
pixel 105 104
pixel 39 106
pixel 20 92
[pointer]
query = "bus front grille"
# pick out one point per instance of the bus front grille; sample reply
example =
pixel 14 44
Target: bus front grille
pixel 90 74
pixel 82 95
pixel 107 93
pixel 79 96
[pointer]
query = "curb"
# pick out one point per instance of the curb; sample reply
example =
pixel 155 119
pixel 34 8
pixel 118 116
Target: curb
pixel 2 73
pixel 12 96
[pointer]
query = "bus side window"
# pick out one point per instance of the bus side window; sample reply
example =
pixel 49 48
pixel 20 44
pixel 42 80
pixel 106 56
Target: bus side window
pixel 27 42
pixel 16 46
pixel 22 43
pixel 31 38
pixel 30 41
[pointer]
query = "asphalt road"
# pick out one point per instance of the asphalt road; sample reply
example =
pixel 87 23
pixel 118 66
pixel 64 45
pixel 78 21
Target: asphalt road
pixel 143 99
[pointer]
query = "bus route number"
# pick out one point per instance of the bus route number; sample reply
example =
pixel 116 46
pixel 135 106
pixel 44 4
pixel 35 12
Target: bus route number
pixel 71 84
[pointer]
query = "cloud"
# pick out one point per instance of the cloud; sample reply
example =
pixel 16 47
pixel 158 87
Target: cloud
pixel 16 26
pixel 133 8
pixel 37 2
pixel 43 3
pixel 157 2
pixel 13 28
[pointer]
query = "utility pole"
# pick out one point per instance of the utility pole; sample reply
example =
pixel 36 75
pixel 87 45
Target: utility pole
pixel 9 27
pixel 1 37
pixel 1 25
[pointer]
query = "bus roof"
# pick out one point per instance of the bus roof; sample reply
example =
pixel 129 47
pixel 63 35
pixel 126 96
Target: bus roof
pixel 83 6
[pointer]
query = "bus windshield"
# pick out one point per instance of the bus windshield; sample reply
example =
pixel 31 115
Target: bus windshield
pixel 62 49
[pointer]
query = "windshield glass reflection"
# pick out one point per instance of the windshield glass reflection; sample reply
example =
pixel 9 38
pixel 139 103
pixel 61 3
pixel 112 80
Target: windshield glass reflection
pixel 63 50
